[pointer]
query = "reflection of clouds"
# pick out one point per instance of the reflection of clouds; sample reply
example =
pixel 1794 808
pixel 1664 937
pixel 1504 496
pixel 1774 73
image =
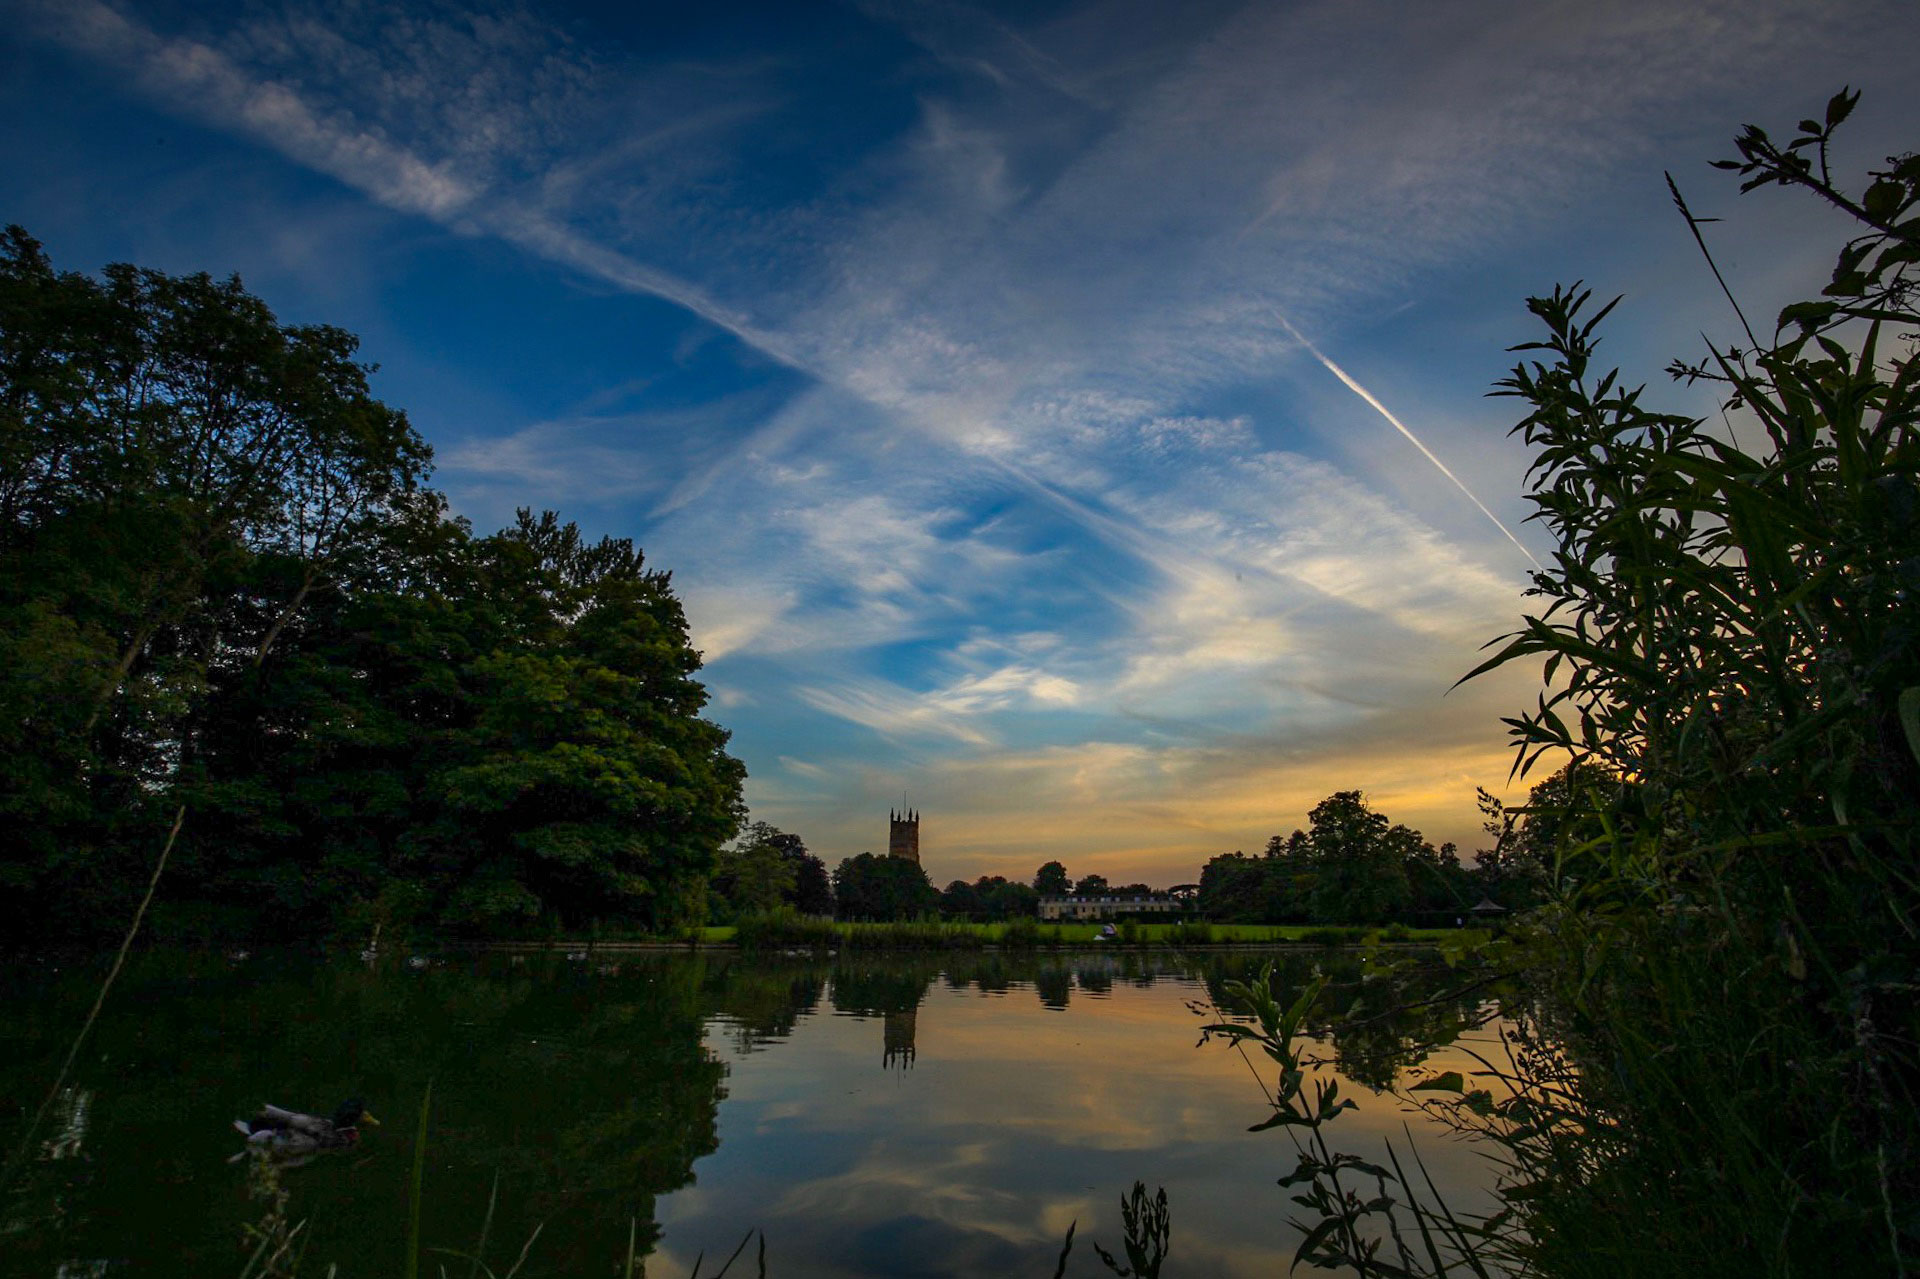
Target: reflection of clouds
pixel 1015 1121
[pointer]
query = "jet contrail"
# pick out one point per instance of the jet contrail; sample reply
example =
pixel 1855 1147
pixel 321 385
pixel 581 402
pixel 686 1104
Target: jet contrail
pixel 1401 427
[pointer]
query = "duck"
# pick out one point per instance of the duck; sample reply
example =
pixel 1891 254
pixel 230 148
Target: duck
pixel 279 1132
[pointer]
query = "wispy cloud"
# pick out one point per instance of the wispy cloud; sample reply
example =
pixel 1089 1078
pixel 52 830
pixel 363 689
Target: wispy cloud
pixel 1047 517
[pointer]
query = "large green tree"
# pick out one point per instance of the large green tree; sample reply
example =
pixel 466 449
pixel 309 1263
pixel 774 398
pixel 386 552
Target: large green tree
pixel 178 473
pixel 1350 866
pixel 882 888
pixel 228 605
pixel 1051 880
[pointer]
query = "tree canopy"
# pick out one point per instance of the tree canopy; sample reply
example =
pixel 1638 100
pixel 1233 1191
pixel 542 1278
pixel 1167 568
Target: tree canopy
pixel 882 888
pixel 1051 880
pixel 227 593
pixel 1350 866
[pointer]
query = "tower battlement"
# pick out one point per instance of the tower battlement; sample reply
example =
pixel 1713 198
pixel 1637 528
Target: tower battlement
pixel 903 835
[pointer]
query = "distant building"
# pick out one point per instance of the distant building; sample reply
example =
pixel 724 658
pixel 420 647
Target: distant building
pixel 903 835
pixel 1072 907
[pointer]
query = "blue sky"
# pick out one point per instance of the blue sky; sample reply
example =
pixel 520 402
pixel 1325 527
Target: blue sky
pixel 954 357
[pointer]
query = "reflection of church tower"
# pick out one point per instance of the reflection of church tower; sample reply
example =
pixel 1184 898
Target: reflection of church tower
pixel 903 835
pixel 897 1036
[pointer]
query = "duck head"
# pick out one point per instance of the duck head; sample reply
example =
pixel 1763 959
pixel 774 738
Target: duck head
pixel 352 1114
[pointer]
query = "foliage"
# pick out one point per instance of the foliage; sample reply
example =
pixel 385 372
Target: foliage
pixel 1189 932
pixel 1051 880
pixel 1148 1229
pixel 1351 866
pixel 754 873
pixel 912 934
pixel 988 898
pixel 1729 643
pixel 226 595
pixel 882 888
pixel 784 927
pixel 1354 1207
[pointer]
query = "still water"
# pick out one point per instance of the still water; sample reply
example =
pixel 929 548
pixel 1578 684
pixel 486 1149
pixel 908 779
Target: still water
pixel 930 1115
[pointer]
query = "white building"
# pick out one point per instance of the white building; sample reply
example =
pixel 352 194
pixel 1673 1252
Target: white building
pixel 1071 907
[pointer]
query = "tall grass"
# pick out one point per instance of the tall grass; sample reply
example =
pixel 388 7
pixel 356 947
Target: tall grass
pixel 1189 932
pixel 915 934
pixel 785 927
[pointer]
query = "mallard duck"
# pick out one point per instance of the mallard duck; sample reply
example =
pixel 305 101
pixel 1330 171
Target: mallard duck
pixel 292 1132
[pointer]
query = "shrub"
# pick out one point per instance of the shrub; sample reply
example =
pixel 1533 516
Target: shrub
pixel 1190 932
pixel 1333 936
pixel 1729 644
pixel 1020 933
pixel 783 926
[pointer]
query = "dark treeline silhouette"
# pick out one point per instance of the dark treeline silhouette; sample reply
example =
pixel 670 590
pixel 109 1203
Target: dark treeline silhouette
pixel 228 600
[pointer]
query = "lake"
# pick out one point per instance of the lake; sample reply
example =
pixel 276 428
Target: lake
pixel 944 1114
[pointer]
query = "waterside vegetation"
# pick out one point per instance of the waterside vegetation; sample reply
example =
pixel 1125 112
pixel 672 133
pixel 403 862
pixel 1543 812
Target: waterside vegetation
pixel 1714 981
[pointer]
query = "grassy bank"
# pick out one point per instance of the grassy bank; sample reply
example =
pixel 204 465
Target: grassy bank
pixel 785 930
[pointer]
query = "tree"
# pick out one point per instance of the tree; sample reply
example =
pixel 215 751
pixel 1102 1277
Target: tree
pixel 1350 867
pixel 755 873
pixel 514 735
pixel 812 889
pixel 1051 880
pixel 227 598
pixel 959 901
pixel 178 474
pixel 1233 889
pixel 882 888
pixel 1006 899
pixel 1091 886
pixel 1359 861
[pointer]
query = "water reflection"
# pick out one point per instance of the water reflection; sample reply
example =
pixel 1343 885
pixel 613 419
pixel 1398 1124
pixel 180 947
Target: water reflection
pixel 876 1116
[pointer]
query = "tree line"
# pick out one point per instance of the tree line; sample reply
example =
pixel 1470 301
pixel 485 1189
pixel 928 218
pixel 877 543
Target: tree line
pixel 1353 865
pixel 232 608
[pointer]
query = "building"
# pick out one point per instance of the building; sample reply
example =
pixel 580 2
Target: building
pixel 903 835
pixel 1071 907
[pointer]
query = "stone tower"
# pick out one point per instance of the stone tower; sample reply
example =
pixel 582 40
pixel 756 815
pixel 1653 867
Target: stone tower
pixel 897 1033
pixel 903 835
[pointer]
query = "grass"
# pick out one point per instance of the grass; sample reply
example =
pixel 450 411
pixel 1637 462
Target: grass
pixel 811 932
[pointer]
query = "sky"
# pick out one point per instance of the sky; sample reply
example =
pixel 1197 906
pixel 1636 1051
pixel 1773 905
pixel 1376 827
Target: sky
pixel 1068 419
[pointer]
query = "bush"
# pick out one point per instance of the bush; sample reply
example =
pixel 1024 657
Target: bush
pixel 1333 936
pixel 917 934
pixel 1729 644
pixel 783 926
pixel 1020 933
pixel 1190 932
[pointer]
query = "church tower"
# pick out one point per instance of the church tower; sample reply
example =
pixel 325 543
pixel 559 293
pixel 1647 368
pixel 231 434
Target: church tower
pixel 903 835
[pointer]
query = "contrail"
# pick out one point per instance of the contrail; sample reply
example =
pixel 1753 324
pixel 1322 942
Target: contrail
pixel 1401 427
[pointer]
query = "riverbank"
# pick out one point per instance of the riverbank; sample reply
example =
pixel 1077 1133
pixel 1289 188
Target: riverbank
pixel 814 933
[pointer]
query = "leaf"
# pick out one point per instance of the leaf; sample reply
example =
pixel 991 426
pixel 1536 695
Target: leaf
pixel 1451 1081
pixel 1882 200
pixel 1910 718
pixel 418 1175
pixel 1839 107
pixel 1305 1171
pixel 1314 1238
pixel 1282 1119
pixel 1065 1249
